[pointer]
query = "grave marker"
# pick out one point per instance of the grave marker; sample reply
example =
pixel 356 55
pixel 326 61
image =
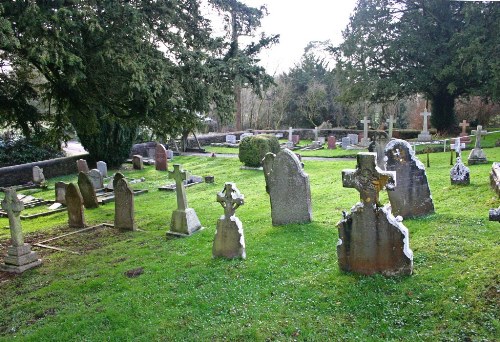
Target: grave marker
pixel 137 162
pixel 124 206
pixel 231 139
pixel 390 122
pixel 87 191
pixel 96 178
pixel 38 177
pixel 424 135
pixel 353 138
pixel 332 142
pixel 60 189
pixel 477 155
pixel 365 141
pixel 81 165
pixel 464 136
pixel 103 168
pixel 74 202
pixel 161 162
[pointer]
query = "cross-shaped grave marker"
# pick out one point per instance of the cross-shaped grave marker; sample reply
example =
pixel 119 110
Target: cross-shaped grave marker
pixel 179 176
pixel 425 114
pixel 230 198
pixel 458 146
pixel 464 126
pixel 365 141
pixel 390 121
pixel 478 133
pixel 368 179
pixel 13 206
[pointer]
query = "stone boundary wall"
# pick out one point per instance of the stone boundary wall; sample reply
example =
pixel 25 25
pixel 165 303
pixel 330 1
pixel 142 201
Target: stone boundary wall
pixel 23 173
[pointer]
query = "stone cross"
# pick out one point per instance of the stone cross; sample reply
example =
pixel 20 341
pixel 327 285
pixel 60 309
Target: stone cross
pixel 478 132
pixel 315 133
pixel 457 146
pixel 179 176
pixel 230 198
pixel 464 126
pixel 425 114
pixel 368 179
pixel 13 206
pixel 390 121
pixel 290 133
pixel 365 123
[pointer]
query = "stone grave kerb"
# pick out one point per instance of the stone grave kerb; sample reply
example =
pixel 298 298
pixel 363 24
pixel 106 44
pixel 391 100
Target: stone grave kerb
pixel 179 176
pixel 230 199
pixel 368 178
pixel 478 133
pixel 13 206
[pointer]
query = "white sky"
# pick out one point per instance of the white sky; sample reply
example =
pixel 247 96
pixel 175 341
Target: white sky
pixel 298 23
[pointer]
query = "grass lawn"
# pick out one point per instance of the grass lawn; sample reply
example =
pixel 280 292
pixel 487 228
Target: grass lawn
pixel 289 288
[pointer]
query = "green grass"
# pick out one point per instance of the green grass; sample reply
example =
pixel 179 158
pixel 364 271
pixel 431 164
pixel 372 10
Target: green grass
pixel 289 288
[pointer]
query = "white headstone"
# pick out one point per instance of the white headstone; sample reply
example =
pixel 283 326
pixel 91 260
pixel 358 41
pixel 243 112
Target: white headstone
pixel 38 176
pixel 103 168
pixel 353 138
pixel 231 139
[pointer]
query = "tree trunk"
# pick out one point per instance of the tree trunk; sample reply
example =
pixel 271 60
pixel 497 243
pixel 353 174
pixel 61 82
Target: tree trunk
pixel 443 111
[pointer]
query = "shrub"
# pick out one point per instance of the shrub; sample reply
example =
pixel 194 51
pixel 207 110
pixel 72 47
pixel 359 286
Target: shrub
pixel 254 148
pixel 22 151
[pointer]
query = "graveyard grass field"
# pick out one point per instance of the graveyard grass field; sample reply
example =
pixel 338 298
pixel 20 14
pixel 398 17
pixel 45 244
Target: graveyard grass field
pixel 288 288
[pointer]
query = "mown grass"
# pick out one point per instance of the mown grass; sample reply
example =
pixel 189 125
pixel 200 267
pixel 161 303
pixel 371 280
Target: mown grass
pixel 289 288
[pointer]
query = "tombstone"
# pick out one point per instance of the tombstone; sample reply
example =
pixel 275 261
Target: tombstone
pixel 390 123
pixel 477 155
pixel 124 206
pixel 412 196
pixel 424 135
pixel 96 178
pixel 170 154
pixel 231 139
pixel 244 135
pixel 495 178
pixel 116 178
pixel 74 203
pixel 103 168
pixel 353 138
pixel 365 141
pixel 290 135
pixel 459 173
pixel 161 160
pixel 87 191
pixel 316 131
pixel 464 137
pixel 137 162
pixel 332 142
pixel 19 256
pixel 346 141
pixel 321 140
pixel 371 239
pixel 229 241
pixel 458 146
pixel 38 177
pixel 184 221
pixel 380 141
pixel 288 188
pixel 81 165
pixel 60 189
pixel 151 152
pixel 295 139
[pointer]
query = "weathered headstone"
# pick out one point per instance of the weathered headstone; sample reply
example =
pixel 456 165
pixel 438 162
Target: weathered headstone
pixel 87 191
pixel 321 140
pixel 346 141
pixel 353 138
pixel 371 239
pixel 60 188
pixel 19 256
pixel 295 139
pixel 96 178
pixel 380 141
pixel 463 136
pixel 137 162
pixel 38 177
pixel 365 141
pixel 390 123
pixel 424 135
pixel 332 142
pixel 124 206
pixel 412 196
pixel 161 162
pixel 288 188
pixel 231 139
pixel 81 165
pixel 103 168
pixel 74 203
pixel 184 220
pixel 477 155
pixel 229 241
pixel 116 178
pixel 495 178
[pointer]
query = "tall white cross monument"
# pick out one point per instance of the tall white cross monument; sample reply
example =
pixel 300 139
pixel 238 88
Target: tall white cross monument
pixel 424 135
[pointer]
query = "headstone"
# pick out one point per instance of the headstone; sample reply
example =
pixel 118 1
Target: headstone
pixel 161 162
pixel 103 168
pixel 458 146
pixel 321 140
pixel 353 138
pixel 151 152
pixel 87 191
pixel 60 188
pixel 116 178
pixel 96 178
pixel 244 135
pixel 495 178
pixel 477 155
pixel 332 142
pixel 412 196
pixel 19 256
pixel 74 202
pixel 231 139
pixel 229 241
pixel 38 177
pixel 316 131
pixel 137 162
pixel 390 122
pixel 459 173
pixel 346 141
pixel 463 136
pixel 170 154
pixel 290 135
pixel 424 135
pixel 124 206
pixel 81 165
pixel 378 146
pixel 295 139
pixel 288 188
pixel 184 220
pixel 365 141
pixel 371 239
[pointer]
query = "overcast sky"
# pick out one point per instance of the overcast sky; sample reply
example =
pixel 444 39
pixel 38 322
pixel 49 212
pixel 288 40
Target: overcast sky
pixel 299 22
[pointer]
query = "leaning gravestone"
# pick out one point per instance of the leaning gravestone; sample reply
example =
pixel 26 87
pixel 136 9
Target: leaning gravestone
pixel 137 163
pixel 60 188
pixel 74 202
pixel 184 220
pixel 87 190
pixel 288 188
pixel 81 165
pixel 103 168
pixel 161 162
pixel 38 177
pixel 412 196
pixel 477 155
pixel 96 178
pixel 229 241
pixel 124 206
pixel 371 239
pixel 19 256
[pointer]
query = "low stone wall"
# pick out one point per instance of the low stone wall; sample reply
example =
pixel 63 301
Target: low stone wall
pixel 22 174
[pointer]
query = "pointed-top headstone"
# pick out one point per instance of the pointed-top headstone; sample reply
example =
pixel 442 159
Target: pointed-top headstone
pixel 124 206
pixel 161 160
pixel 74 202
pixel 82 166
pixel 87 191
